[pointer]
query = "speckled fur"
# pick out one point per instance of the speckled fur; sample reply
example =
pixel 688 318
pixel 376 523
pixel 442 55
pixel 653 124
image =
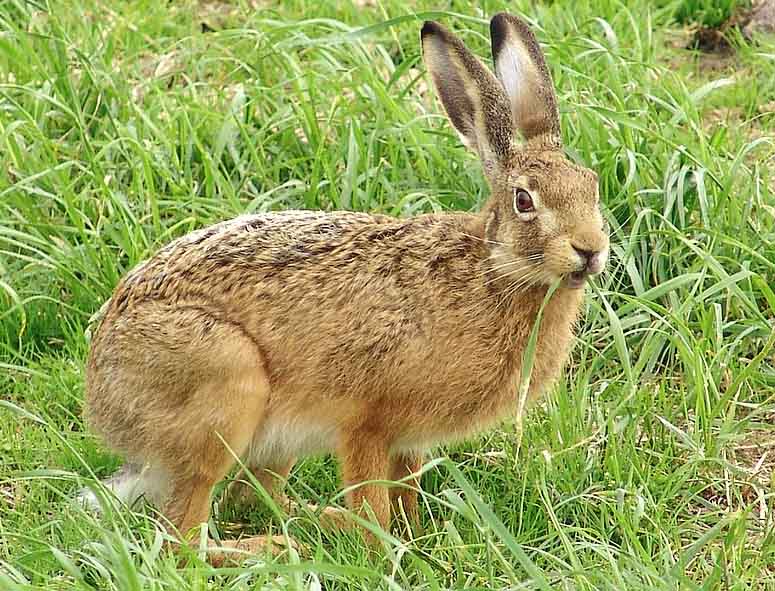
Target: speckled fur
pixel 283 334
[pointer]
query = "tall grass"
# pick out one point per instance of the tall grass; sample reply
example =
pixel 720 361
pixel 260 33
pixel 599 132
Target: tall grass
pixel 124 125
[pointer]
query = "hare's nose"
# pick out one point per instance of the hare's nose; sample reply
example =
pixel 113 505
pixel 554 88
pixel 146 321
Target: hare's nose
pixel 591 260
pixel 584 254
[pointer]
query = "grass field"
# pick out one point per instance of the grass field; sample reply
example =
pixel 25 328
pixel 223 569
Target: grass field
pixel 125 124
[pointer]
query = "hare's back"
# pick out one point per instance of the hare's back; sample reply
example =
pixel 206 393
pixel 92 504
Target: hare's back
pixel 222 260
pixel 249 237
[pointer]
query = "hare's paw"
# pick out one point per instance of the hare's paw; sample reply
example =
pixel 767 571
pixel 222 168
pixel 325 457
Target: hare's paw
pixel 336 519
pixel 236 551
pixel 242 495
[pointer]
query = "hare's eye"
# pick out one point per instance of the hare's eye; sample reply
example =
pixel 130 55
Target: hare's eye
pixel 523 202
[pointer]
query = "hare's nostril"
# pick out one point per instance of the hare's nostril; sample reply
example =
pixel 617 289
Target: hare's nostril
pixel 592 261
pixel 584 254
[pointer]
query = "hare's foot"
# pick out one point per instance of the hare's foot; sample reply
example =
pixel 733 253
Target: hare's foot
pixel 242 493
pixel 235 551
pixel 403 496
pixel 334 518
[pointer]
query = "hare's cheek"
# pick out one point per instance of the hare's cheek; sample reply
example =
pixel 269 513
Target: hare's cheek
pixel 547 221
pixel 559 257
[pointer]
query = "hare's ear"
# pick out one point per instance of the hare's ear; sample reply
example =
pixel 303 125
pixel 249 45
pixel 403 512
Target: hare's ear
pixel 520 66
pixel 474 99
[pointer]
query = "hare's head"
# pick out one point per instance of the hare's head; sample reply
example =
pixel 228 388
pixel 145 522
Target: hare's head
pixel 543 220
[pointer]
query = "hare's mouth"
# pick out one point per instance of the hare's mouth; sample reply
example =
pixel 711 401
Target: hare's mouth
pixel 576 280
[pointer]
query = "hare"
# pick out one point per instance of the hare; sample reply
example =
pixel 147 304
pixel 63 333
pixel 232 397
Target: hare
pixel 278 335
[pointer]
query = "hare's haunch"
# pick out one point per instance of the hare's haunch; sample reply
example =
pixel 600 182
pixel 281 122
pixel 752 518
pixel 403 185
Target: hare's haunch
pixel 280 335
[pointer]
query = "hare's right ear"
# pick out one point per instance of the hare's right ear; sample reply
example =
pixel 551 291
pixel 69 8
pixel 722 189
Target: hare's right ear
pixel 474 99
pixel 520 66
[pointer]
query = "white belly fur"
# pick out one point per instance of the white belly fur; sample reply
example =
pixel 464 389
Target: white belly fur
pixel 280 439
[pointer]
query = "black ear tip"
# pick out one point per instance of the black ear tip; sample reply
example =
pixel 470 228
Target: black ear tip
pixel 430 28
pixel 499 19
pixel 498 31
pixel 502 24
pixel 502 20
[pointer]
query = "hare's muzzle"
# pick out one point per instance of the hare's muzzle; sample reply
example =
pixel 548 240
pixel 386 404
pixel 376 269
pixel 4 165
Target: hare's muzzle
pixel 591 262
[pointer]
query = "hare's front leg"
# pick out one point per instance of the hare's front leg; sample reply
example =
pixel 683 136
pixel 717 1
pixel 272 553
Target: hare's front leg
pixel 364 457
pixel 403 497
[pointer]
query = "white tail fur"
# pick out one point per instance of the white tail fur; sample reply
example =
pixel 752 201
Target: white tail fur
pixel 131 483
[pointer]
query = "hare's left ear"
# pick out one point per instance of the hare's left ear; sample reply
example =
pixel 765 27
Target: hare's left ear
pixel 520 66
pixel 474 99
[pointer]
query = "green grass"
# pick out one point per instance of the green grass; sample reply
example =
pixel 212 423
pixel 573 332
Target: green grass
pixel 708 13
pixel 650 466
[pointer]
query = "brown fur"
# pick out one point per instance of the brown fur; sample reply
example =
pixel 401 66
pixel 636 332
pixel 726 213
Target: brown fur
pixel 290 333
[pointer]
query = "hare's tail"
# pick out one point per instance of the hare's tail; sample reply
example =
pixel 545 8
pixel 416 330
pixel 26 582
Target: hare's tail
pixel 131 483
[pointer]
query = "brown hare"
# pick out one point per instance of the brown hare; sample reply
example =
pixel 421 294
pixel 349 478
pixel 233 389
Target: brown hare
pixel 278 335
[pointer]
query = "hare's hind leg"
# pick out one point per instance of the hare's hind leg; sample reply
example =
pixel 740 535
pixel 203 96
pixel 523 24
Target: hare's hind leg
pixel 216 425
pixel 223 416
pixel 182 390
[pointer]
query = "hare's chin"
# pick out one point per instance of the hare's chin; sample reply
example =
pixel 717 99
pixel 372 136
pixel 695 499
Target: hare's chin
pixel 576 280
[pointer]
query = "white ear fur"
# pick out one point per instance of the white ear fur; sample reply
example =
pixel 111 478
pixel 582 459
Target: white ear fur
pixel 510 71
pixel 521 69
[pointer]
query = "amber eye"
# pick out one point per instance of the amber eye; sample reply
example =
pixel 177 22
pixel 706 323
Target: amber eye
pixel 523 202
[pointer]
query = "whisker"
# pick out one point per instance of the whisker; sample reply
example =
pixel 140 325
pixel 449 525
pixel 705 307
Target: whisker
pixel 486 240
pixel 526 268
pixel 523 262
pixel 531 259
pixel 527 281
